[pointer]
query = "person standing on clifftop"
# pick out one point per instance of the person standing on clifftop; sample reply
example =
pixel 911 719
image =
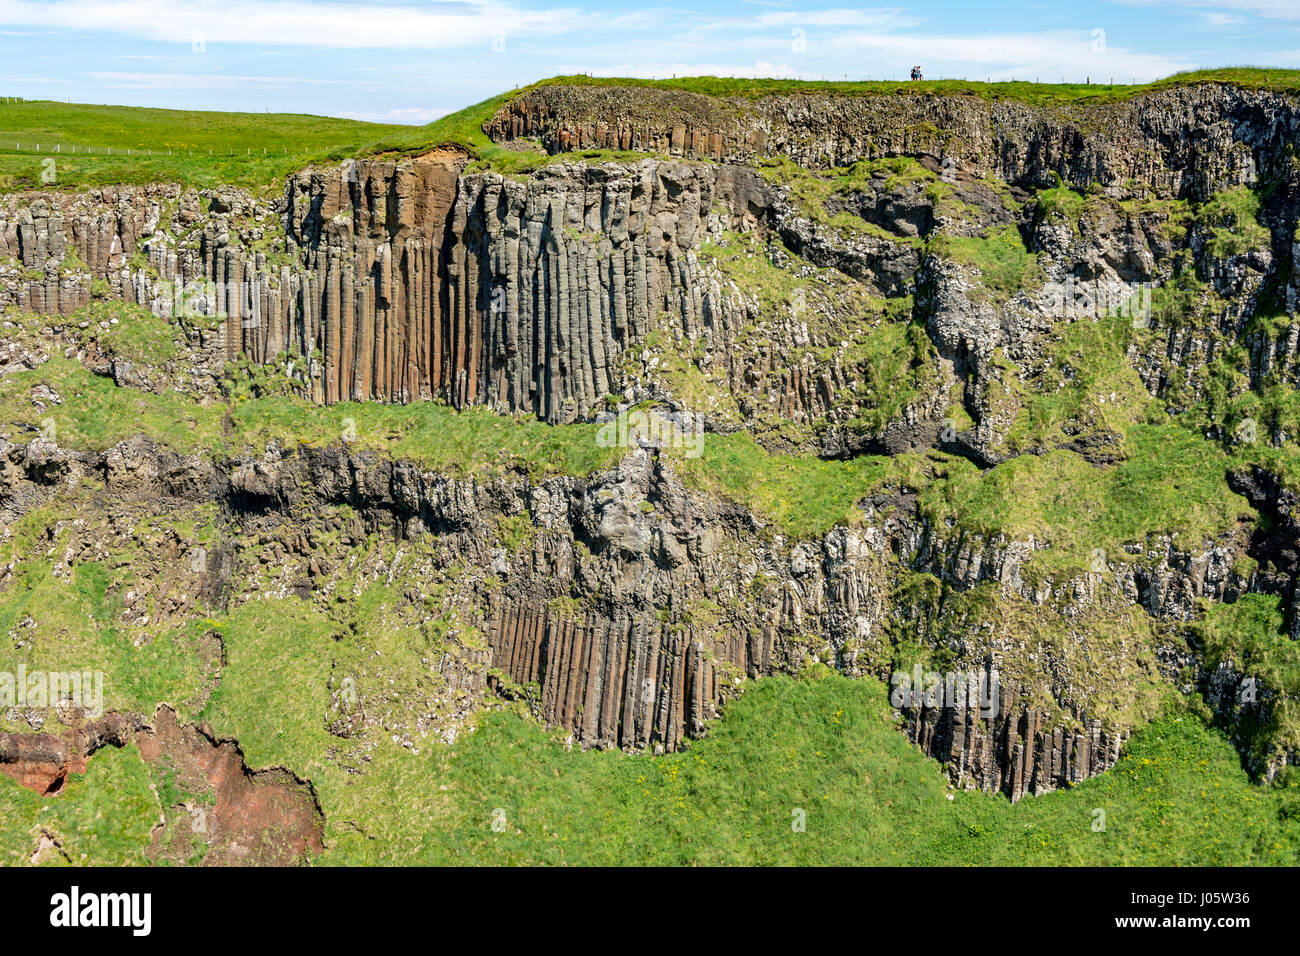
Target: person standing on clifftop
pixel 916 73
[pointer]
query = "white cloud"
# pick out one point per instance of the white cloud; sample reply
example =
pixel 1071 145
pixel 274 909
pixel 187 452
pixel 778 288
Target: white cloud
pixel 202 81
pixel 436 25
pixel 875 19
pixel 32 79
pixel 411 115
pixel 1272 9
pixel 1215 19
pixel 1047 56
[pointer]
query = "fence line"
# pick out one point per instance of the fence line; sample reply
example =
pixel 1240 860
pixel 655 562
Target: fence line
pixel 56 149
pixel 129 151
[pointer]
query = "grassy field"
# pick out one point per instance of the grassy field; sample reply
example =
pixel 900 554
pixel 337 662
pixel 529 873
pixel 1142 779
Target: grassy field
pixel 97 145
pixel 257 150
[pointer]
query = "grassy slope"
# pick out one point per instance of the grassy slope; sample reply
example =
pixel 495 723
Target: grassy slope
pixel 237 141
pixel 827 747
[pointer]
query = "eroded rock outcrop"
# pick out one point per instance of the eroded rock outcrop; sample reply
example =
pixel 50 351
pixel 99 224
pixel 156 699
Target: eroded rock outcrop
pixel 232 816
pixel 1174 142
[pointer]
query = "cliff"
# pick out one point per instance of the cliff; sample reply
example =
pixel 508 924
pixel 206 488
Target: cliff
pixel 828 277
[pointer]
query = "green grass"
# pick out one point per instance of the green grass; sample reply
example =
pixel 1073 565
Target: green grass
pixel 823 744
pixel 1085 387
pixel 1233 218
pixel 1043 94
pixel 1250 636
pixel 275 699
pixel 70 619
pixel 103 818
pixel 1061 203
pixel 474 440
pixel 830 748
pixel 822 751
pixel 173 145
pixel 1004 263
pixel 1170 482
pixel 803 495
pixel 96 414
pixel 898 363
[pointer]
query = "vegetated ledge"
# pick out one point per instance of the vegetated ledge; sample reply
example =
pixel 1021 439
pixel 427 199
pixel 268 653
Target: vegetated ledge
pixel 1281 80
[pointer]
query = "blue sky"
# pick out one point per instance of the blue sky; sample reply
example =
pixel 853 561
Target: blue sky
pixel 413 60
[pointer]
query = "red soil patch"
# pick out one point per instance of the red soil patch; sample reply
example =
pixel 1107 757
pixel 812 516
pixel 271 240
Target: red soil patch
pixel 236 816
pixel 262 818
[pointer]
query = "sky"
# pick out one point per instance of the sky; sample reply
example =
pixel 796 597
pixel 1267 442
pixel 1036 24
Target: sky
pixel 411 61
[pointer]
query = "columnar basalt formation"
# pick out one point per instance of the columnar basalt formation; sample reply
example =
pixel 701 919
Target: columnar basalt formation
pixel 1175 142
pixel 830 314
pixel 631 683
pixel 405 281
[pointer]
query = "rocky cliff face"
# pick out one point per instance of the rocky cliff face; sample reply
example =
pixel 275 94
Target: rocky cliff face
pixel 400 281
pixel 1176 142
pixel 832 276
pixel 633 608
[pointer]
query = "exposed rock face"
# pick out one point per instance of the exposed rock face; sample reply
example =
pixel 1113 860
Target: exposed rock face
pixel 404 281
pixel 247 818
pixel 572 266
pixel 1020 750
pixel 1176 142
pixel 43 761
pixel 633 607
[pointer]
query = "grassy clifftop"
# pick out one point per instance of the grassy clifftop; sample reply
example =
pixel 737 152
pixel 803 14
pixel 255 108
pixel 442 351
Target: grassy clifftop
pixel 101 145
pixel 1033 93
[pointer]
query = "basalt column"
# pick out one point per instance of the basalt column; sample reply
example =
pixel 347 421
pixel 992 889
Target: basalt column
pixel 373 236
